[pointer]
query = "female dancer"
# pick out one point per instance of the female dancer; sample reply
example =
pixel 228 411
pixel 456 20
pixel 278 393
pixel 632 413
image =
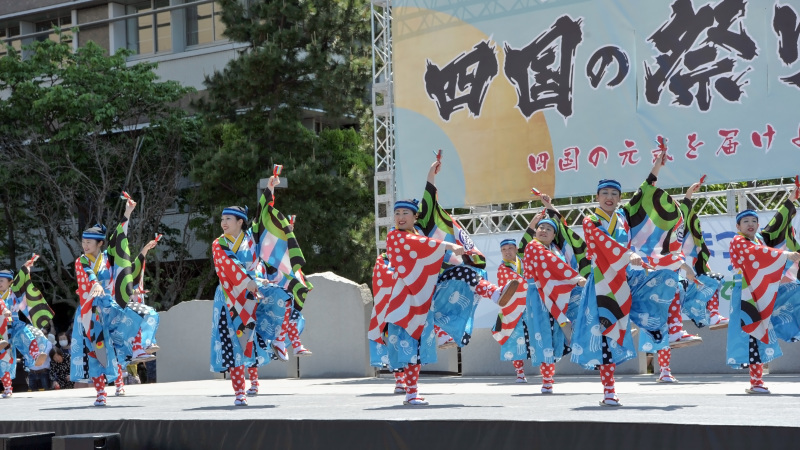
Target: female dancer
pixel 283 265
pixel 765 302
pixel 614 293
pixel 511 329
pixel 554 291
pixel 248 311
pixel 23 311
pixel 433 281
pixel 107 328
pixel 701 303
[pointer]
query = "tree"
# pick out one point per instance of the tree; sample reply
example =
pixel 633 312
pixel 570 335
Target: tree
pixel 302 56
pixel 70 145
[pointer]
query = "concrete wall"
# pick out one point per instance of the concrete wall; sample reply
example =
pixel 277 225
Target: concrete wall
pixel 184 335
pixel 337 315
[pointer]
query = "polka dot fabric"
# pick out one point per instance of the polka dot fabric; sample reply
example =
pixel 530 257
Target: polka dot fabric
pixel 555 278
pixel 412 376
pixel 416 261
pixel 382 283
pixel 237 379
pixel 548 371
pixel 225 338
pixel 7 382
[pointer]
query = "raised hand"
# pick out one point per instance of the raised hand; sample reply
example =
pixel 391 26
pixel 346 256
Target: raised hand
pixel 692 189
pixel 434 170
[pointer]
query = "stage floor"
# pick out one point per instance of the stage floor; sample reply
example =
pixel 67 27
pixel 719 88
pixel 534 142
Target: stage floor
pixel 697 399
pixel 717 400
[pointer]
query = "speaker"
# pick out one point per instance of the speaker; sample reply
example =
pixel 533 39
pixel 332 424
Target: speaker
pixel 37 440
pixel 91 441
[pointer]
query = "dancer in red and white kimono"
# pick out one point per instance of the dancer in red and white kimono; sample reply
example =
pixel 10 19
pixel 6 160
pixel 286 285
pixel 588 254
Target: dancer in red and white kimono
pixel 434 282
pixel 511 331
pixel 615 293
pixel 765 302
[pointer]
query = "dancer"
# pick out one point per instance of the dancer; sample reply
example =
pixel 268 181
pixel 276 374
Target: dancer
pixel 616 292
pixel 553 284
pixel 23 311
pixel 424 242
pixel 107 328
pixel 690 289
pixel 382 283
pixel 700 302
pixel 248 311
pixel 283 265
pixel 765 302
pixel 511 330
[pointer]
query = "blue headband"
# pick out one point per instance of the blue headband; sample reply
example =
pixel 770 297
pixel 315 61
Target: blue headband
pixel 235 212
pixel 97 232
pixel 412 205
pixel 6 274
pixel 745 213
pixel 508 242
pixel 548 222
pixel 609 184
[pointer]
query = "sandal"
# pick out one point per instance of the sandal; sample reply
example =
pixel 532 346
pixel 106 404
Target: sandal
pixel 758 390
pixel 302 351
pixel 667 378
pixel 253 389
pixel 241 400
pixel 280 353
pixel 416 401
pixel 612 401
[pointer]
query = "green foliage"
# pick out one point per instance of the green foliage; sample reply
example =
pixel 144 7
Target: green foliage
pixel 69 149
pixel 304 58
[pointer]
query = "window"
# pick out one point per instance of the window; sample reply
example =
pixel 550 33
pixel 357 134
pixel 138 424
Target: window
pixel 150 33
pixel 204 24
pixel 7 33
pixel 64 22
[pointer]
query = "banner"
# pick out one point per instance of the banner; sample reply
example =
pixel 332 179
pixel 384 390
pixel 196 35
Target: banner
pixel 560 94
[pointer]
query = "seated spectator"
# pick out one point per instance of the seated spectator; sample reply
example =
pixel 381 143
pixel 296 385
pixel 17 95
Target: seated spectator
pixel 59 369
pixel 39 374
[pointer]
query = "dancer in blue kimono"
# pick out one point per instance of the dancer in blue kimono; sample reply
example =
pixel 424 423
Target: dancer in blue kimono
pixel 434 271
pixel 248 310
pixel 107 323
pixel 616 292
pixel 699 302
pixel 23 312
pixel 765 302
pixel 554 290
pixel 511 330
pixel 283 261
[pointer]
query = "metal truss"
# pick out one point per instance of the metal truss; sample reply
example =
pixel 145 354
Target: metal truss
pixel 506 219
pixel 383 118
